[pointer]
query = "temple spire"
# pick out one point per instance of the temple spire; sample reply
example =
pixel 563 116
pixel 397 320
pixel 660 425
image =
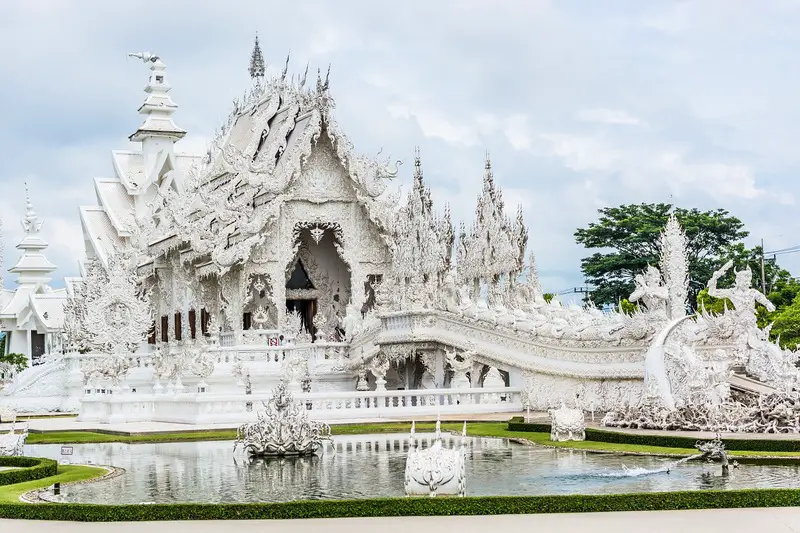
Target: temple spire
pixel 33 268
pixel 31 223
pixel 158 106
pixel 257 68
pixel 417 168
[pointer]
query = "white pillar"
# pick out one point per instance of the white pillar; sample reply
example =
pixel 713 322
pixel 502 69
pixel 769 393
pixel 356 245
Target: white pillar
pixel 29 349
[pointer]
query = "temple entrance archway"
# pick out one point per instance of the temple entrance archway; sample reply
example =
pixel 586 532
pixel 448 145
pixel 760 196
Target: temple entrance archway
pixel 318 282
pixel 307 310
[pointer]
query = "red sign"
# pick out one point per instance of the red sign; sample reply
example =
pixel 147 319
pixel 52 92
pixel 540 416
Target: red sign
pixel 273 341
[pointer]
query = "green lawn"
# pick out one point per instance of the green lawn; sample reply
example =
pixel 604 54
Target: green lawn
pixel 477 429
pixel 66 474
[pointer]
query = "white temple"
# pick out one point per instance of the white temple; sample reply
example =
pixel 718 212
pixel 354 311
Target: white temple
pixel 281 255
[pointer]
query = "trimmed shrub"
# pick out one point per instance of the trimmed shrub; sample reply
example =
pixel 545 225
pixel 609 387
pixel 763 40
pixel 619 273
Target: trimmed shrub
pixel 29 469
pixel 407 506
pixel 665 441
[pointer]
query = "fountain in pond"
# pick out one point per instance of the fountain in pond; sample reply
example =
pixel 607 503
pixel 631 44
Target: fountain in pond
pixel 282 429
pixel 436 470
pixel 714 449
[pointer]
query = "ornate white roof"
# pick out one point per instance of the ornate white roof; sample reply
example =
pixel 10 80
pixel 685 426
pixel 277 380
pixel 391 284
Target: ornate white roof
pixel 49 308
pixel 99 230
pixel 252 170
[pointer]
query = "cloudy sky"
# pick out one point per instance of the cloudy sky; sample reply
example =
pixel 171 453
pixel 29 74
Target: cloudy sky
pixel 582 104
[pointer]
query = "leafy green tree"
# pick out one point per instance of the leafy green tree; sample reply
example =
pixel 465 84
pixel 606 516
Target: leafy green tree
pixel 628 307
pixel 630 236
pixel 712 305
pixel 16 361
pixel 548 297
pixel 786 325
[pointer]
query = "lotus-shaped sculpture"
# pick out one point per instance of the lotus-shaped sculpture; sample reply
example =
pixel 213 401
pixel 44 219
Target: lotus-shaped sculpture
pixel 436 470
pixel 282 429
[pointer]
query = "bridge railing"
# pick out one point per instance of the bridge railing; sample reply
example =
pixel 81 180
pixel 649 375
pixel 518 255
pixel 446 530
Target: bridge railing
pixel 230 408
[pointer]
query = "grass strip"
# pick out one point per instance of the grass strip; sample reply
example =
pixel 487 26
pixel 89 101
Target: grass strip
pixel 66 474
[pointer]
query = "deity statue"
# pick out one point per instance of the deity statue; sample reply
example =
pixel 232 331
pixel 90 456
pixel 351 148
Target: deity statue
pixel 450 294
pixel 742 296
pixel 652 293
pixel 351 322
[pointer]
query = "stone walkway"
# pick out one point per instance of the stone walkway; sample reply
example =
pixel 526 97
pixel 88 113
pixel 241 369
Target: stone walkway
pixel 137 428
pixel 133 428
pixel 776 520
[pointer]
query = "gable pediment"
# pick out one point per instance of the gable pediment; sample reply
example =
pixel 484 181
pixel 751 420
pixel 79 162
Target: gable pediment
pixel 323 178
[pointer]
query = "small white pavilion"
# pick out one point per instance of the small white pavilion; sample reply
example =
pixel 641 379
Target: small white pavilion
pixel 32 315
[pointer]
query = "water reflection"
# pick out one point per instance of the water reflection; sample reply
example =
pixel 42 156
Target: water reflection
pixel 363 466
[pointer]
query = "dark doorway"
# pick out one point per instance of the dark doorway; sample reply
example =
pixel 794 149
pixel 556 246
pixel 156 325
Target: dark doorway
pixel 307 310
pixel 37 347
pixel 299 278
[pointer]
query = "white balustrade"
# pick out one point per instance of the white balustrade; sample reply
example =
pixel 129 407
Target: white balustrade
pixel 207 408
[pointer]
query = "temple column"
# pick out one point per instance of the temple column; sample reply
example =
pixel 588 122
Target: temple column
pixel 357 280
pixel 278 279
pixel 29 344
pixel 440 367
pixel 241 281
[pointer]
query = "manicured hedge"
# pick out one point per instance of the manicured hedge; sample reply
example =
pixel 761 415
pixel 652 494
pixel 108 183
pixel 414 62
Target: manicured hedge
pixel 666 441
pixel 30 468
pixel 406 506
pixel 517 425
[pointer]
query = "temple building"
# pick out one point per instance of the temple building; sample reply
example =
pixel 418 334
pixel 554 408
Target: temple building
pixel 283 255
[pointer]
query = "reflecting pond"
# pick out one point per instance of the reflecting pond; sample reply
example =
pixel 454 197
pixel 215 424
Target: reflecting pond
pixel 367 466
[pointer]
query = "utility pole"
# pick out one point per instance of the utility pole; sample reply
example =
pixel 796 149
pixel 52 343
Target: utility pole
pixel 763 276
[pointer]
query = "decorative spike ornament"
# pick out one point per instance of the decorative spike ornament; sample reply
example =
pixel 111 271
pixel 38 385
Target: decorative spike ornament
pixel 257 68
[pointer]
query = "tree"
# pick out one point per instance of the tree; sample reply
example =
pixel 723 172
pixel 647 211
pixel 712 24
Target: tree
pixel 632 233
pixel 16 362
pixel 786 325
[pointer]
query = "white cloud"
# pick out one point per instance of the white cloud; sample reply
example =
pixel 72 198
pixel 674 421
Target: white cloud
pixel 610 116
pixel 689 102
pixel 581 153
pixel 436 126
pixel 518 132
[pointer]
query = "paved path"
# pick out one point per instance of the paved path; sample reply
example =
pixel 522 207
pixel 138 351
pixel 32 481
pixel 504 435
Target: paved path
pixel 778 520
pixel 72 424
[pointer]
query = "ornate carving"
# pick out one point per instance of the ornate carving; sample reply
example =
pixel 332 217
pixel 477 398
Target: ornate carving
pixel 12 444
pixel 436 470
pixel 567 424
pixel 282 428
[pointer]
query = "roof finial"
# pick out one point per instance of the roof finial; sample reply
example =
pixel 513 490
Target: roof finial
pixel 417 169
pixel 286 66
pixel 256 68
pixel 31 222
pixel 305 76
pixel 327 79
pixel 146 57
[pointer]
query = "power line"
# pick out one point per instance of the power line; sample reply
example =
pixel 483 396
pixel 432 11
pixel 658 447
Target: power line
pixel 789 250
pixel 575 290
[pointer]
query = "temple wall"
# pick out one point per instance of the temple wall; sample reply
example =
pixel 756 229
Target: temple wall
pixel 547 391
